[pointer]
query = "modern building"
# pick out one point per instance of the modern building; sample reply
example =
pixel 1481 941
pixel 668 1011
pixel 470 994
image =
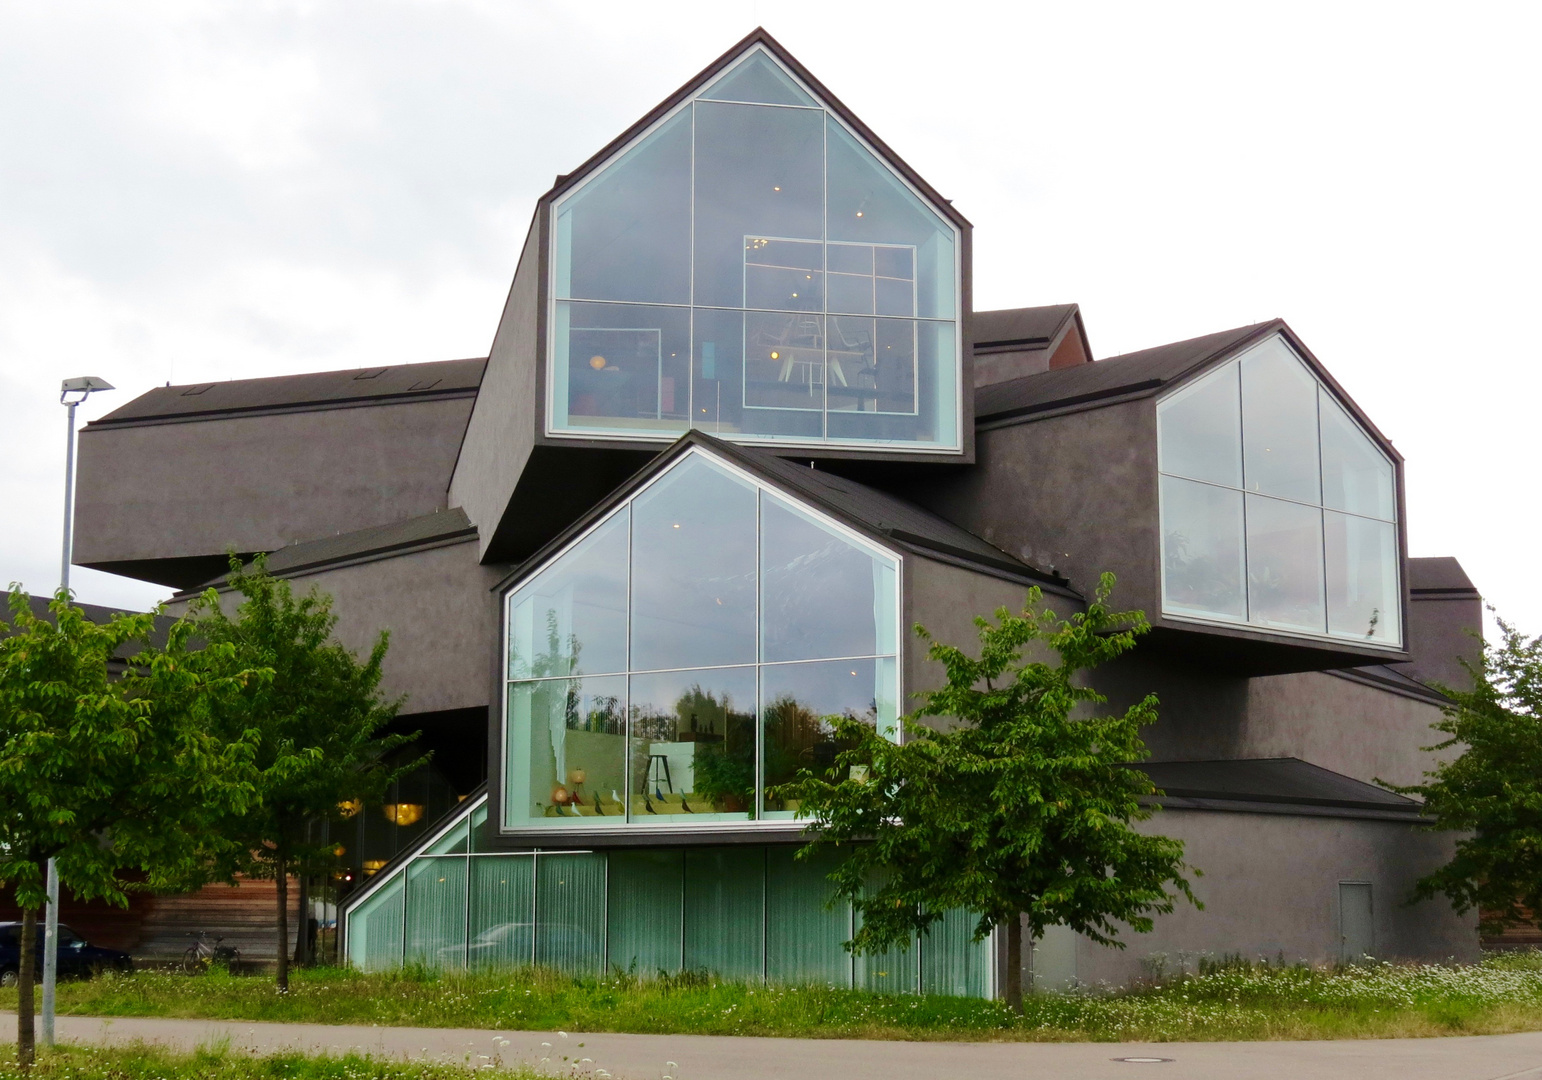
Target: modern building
pixel 740 427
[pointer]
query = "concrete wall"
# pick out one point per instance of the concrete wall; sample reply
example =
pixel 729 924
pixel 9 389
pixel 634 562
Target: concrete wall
pixel 258 483
pixel 501 432
pixel 1271 887
pixel 1444 630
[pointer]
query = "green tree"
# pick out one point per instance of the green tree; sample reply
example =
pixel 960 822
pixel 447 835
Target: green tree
pixel 108 774
pixel 1017 807
pixel 318 724
pixel 1492 789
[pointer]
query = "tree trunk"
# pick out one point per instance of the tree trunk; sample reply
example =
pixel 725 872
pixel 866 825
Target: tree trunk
pixel 1014 987
pixel 26 981
pixel 302 938
pixel 281 878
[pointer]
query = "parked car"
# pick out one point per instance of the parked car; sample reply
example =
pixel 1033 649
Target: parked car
pixel 77 956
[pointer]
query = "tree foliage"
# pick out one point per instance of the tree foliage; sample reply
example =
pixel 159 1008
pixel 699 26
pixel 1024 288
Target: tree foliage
pixel 111 772
pixel 1020 804
pixel 1492 789
pixel 318 725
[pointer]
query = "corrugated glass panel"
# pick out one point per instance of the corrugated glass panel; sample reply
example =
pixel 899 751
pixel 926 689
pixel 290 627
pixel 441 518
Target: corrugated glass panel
pixel 725 911
pixel 804 938
pixel 375 928
pixel 502 911
pixel 644 912
pixel 952 962
pixel 436 911
pixel 896 970
pixel 570 912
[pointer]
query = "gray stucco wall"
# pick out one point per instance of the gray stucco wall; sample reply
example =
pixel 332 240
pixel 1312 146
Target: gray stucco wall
pixel 502 429
pixel 1441 634
pixel 258 483
pixel 1271 887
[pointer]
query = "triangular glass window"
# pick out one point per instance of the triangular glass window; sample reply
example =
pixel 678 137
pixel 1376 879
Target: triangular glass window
pixel 758 272
pixel 759 80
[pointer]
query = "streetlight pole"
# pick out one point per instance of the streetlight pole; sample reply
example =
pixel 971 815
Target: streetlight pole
pixel 83 387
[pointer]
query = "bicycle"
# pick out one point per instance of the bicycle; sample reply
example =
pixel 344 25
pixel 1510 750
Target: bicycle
pixel 200 955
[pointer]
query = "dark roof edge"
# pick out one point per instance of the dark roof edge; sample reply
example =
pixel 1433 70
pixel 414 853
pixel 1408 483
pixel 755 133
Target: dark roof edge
pixel 758 36
pixel 1416 692
pixel 1244 806
pixel 274 410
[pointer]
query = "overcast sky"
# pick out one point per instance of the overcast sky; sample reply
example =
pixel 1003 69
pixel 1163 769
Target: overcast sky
pixel 197 191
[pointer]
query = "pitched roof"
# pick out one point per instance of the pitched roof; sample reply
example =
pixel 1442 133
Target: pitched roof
pixel 1282 781
pixel 1138 373
pixel 886 518
pixel 38 606
pixel 1439 574
pixel 1023 328
pixel 322 389
pixel 378 541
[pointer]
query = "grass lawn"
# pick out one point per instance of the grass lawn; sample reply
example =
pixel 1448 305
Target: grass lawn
pixel 154 1063
pixel 1220 1002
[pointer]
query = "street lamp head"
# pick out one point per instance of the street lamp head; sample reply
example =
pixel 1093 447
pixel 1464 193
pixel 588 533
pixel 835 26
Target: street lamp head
pixel 84 385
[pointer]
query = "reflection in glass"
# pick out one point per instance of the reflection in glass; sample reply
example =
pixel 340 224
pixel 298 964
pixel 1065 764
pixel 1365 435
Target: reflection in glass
pixel 1202 567
pixel 1285 568
pixel 1199 430
pixel 758 78
pixel 1363 599
pixel 797 701
pixel 693 746
pixel 502 911
pixel 693 569
pixel 566 752
pixel 571 617
pixel 908 392
pixel 626 233
pixel 784 362
pixel 622 366
pixel 570 909
pixel 821 593
pixel 1279 424
pixel 1356 476
pixel 436 912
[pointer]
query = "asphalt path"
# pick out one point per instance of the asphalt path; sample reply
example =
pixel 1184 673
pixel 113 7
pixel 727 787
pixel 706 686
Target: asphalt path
pixel 712 1057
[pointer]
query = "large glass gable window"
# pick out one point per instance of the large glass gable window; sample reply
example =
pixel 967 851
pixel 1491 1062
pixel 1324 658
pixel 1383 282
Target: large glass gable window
pixel 1278 510
pixel 686 654
pixel 751 268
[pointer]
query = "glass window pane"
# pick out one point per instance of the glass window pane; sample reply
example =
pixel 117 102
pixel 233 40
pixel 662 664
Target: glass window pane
pixel 759 174
pixel 645 913
pixel 1279 423
pixel 693 746
pixel 1199 429
pixel 453 842
pixel 502 911
pixel 481 830
pixel 796 702
pixel 719 371
pixel 873 365
pixel 570 913
pixel 1202 550
pixel 785 363
pixel 784 275
pixel 1285 570
pixel 805 940
pixel 566 743
pixel 1356 476
pixel 626 233
pixel 436 911
pixel 821 594
pixel 693 569
pixel 896 970
pixel 375 928
pixel 907 394
pixel 758 78
pixel 725 911
pixel 570 619
pixel 869 204
pixel 1363 597
pixel 622 367
pixel 952 962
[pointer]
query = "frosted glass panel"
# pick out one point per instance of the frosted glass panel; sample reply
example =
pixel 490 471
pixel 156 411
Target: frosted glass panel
pixel 1285 567
pixel 570 913
pixel 1202 539
pixel 436 911
pixel 375 928
pixel 804 938
pixel 952 962
pixel 725 911
pixel 502 911
pixel 1363 597
pixel 1199 430
pixel 571 617
pixel 646 911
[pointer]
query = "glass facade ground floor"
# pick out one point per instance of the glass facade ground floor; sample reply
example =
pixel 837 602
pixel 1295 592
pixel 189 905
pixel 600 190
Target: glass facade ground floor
pixel 746 911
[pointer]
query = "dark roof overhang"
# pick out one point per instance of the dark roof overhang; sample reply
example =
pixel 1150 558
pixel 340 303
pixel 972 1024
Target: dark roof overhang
pixel 1274 785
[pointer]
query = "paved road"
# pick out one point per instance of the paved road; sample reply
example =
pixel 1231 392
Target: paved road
pixel 706 1057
